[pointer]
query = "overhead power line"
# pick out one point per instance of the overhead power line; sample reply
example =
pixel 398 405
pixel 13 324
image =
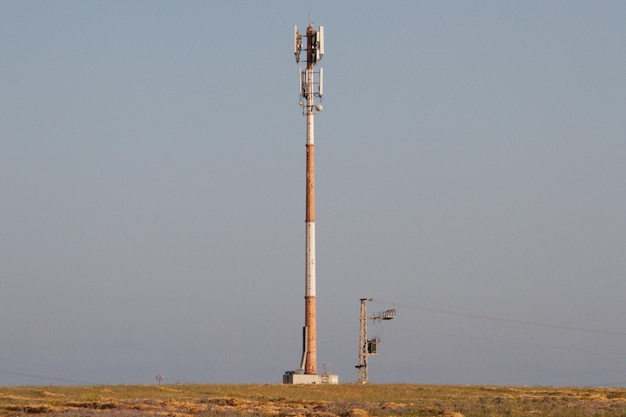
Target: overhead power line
pixel 47 378
pixel 506 320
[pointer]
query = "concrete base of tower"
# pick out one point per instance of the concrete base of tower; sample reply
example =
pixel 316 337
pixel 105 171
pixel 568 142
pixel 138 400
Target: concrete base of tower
pixel 293 378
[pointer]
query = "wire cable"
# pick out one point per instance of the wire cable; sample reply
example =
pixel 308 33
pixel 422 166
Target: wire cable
pixel 505 320
pixel 48 378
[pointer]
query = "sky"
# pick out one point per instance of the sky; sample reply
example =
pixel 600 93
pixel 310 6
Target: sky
pixel 470 173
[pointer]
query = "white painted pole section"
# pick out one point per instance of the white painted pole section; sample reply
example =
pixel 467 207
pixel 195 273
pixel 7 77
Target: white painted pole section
pixel 310 224
pixel 310 129
pixel 310 259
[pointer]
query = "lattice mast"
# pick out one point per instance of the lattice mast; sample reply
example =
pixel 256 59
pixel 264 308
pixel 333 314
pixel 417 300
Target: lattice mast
pixel 363 351
pixel 308 96
pixel 369 346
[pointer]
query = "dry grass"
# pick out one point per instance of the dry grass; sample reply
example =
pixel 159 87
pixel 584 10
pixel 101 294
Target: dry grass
pixel 345 400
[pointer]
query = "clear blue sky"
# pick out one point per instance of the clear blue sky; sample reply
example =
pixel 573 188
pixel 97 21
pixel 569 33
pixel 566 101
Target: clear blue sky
pixel 471 168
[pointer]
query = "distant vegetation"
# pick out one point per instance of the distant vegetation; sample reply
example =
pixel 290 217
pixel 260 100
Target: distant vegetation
pixel 344 400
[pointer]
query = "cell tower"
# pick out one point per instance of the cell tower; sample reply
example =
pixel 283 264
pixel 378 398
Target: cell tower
pixel 367 346
pixel 309 80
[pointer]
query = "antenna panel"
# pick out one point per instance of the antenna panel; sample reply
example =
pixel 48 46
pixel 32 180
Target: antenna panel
pixel 295 39
pixel 321 84
pixel 297 43
pixel 300 89
pixel 320 41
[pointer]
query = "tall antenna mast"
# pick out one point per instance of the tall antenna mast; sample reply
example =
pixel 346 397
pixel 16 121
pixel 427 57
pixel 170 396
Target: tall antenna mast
pixel 309 80
pixel 308 107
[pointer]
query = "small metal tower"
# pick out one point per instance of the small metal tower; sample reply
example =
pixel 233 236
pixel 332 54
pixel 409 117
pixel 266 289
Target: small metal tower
pixel 363 351
pixel 369 347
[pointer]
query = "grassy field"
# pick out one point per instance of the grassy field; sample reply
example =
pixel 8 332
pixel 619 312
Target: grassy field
pixel 346 400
